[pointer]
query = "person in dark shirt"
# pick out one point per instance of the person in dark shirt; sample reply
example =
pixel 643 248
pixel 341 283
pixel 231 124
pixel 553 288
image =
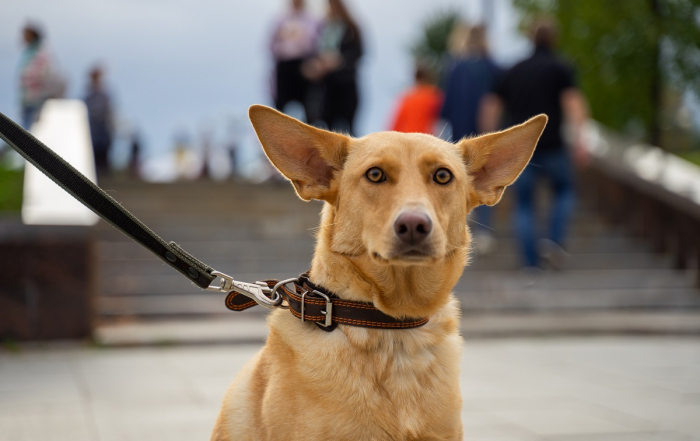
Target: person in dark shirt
pixel 542 84
pixel 99 107
pixel 469 80
pixel 335 68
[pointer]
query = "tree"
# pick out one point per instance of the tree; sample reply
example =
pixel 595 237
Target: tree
pixel 627 53
pixel 432 47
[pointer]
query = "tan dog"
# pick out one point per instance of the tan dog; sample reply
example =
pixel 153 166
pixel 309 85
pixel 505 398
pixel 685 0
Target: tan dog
pixel 392 233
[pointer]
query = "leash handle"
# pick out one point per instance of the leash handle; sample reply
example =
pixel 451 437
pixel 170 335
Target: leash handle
pixel 93 197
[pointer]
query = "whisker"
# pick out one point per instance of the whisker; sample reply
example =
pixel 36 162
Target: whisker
pixel 485 226
pixel 442 131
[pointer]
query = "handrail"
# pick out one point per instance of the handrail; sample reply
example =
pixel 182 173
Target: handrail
pixel 651 192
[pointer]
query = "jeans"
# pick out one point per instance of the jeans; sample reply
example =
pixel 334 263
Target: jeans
pixel 557 167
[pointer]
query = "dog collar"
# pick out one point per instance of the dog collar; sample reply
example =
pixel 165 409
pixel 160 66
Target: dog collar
pixel 313 303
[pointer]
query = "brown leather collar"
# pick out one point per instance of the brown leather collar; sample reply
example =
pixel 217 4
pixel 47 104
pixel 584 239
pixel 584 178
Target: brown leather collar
pixel 313 303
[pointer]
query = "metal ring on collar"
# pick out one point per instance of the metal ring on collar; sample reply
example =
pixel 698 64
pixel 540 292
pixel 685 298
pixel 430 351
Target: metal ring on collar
pixel 276 297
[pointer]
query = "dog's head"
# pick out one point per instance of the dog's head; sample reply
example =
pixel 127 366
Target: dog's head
pixel 398 200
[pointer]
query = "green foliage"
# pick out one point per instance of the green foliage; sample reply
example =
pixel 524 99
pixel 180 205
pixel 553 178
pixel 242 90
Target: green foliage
pixel 432 45
pixel 620 48
pixel 11 183
pixel 693 157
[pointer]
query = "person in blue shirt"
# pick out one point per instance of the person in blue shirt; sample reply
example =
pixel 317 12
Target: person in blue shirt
pixel 467 83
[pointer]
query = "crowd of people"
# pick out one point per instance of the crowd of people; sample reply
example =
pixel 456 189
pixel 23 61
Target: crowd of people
pixel 41 79
pixel 479 97
pixel 315 65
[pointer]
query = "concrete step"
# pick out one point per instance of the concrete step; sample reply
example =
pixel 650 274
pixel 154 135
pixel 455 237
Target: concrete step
pixel 611 279
pixel 149 266
pixel 191 226
pixel 580 299
pixel 296 247
pixel 253 329
pixel 266 232
pixel 492 282
pixel 243 249
pixel 529 299
pixel 580 261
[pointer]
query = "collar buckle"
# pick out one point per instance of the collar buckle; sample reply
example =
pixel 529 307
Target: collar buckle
pixel 328 312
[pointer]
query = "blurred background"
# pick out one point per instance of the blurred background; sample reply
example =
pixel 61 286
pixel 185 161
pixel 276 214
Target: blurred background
pixel 581 305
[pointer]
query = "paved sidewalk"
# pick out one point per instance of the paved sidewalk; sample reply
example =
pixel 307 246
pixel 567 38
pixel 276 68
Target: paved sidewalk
pixel 604 388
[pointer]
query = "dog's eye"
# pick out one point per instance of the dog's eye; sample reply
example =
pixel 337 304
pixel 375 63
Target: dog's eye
pixel 376 175
pixel 442 176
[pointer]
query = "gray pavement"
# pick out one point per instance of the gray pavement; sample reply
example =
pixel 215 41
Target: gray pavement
pixel 602 388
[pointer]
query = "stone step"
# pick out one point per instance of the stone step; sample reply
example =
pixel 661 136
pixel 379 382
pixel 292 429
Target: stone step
pixel 487 281
pixel 299 247
pixel 238 329
pixel 266 232
pixel 148 277
pixel 197 226
pixel 580 299
pixel 580 261
pixel 212 304
pixel 243 249
pixel 607 279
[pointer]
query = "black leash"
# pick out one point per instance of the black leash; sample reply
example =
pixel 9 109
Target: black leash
pixel 101 203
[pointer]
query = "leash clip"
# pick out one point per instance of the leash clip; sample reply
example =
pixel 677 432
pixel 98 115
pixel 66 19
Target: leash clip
pixel 255 291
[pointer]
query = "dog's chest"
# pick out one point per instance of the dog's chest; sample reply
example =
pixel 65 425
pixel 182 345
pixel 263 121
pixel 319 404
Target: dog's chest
pixel 391 386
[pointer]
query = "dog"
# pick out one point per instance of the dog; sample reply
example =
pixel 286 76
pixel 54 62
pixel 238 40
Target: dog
pixel 393 234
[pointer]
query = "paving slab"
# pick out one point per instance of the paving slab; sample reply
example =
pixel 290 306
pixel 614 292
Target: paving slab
pixel 528 389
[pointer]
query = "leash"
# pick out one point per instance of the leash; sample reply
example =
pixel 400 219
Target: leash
pixel 306 301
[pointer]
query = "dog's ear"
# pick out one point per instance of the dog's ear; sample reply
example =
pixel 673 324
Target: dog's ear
pixel 496 160
pixel 305 155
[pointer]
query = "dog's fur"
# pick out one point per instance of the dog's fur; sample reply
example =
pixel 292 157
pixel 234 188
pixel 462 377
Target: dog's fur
pixel 373 384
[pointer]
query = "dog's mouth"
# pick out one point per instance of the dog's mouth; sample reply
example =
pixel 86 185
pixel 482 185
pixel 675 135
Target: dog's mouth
pixel 411 255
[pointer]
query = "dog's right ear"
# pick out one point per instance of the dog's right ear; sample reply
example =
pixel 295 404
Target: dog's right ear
pixel 305 155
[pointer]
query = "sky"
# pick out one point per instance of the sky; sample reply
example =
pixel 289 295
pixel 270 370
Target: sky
pixel 182 65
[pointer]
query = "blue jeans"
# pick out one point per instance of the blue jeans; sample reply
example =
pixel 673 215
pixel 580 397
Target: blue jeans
pixel 557 167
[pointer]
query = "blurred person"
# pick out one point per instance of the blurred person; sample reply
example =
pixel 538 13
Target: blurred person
pixel 188 164
pixel 232 145
pixel 470 79
pixel 100 118
pixel 206 137
pixel 456 51
pixel 135 155
pixel 419 107
pixel 335 67
pixel 543 84
pixel 38 75
pixel 294 40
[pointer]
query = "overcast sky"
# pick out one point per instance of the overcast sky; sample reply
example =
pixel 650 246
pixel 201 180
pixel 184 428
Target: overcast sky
pixel 182 64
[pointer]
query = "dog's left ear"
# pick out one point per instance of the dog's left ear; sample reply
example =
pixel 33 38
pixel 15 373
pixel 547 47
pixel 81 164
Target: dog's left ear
pixel 496 160
pixel 305 155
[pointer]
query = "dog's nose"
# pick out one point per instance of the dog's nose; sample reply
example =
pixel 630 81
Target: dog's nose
pixel 412 227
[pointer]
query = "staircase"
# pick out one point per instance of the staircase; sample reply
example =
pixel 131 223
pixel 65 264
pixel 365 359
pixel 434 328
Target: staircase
pixel 613 282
